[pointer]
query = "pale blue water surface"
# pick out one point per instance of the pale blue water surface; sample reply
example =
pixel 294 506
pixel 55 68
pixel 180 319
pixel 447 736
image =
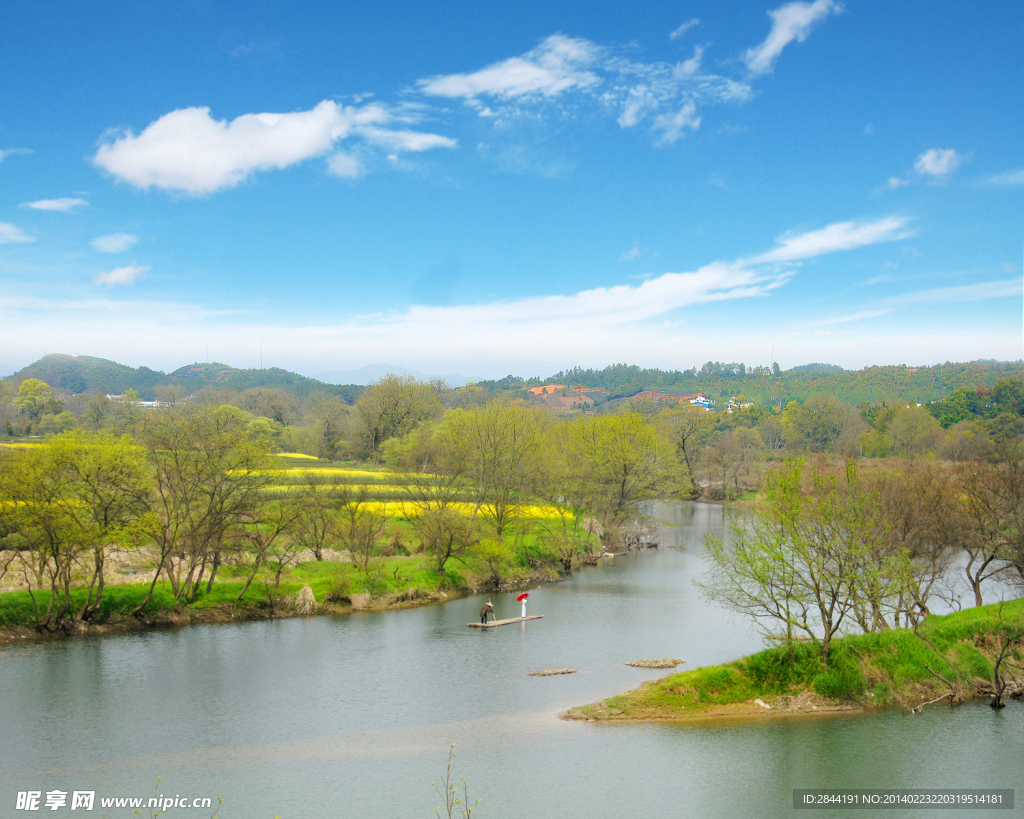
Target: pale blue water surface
pixel 353 715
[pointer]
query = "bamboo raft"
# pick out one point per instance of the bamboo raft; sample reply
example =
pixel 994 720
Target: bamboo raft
pixel 494 623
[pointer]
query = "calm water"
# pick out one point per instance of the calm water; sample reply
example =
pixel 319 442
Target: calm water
pixel 353 715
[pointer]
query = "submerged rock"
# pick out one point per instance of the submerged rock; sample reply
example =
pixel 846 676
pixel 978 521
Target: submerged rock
pixel 548 672
pixel 664 662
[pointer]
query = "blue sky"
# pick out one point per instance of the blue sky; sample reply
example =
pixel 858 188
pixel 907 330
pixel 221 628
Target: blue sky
pixel 511 187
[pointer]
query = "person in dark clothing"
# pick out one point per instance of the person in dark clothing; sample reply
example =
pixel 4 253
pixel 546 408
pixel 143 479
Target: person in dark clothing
pixel 487 609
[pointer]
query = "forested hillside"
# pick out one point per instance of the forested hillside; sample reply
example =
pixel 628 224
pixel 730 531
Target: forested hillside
pixel 772 386
pixel 87 374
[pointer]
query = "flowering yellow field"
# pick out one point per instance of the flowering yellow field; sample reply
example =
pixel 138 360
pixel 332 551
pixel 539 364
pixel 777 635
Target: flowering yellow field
pixel 327 472
pixel 296 455
pixel 405 509
pixel 393 484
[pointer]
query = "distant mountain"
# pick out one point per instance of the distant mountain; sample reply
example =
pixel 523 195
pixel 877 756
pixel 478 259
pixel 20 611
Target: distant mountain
pixel 195 376
pixel 77 374
pixel 372 373
pixel 88 374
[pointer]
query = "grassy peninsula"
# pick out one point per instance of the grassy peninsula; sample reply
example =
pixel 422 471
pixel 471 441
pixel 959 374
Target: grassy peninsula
pixel 953 656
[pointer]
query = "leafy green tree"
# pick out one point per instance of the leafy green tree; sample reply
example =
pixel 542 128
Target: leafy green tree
pixel 818 424
pixel 498 447
pixel 72 500
pixel 392 407
pixel 993 496
pixel 611 463
pixel 690 430
pixel 35 399
pixel 816 557
pixel 912 431
pixel 209 471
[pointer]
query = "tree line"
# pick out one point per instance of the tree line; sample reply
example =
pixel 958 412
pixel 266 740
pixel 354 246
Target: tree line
pixel 835 548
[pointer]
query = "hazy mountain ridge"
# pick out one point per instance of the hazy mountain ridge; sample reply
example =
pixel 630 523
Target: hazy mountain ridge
pixel 89 374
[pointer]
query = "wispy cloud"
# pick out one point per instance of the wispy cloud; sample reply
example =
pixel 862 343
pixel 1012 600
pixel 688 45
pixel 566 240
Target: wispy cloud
pixel 412 141
pixel 835 237
pixel 6 152
pixel 938 162
pixel 935 165
pixel 861 315
pixel 121 275
pixel 345 165
pixel 793 21
pixel 558 64
pixel 896 182
pixel 685 27
pixel 65 205
pixel 1008 179
pixel 595 326
pixel 671 127
pixel 980 291
pixel 666 95
pixel 190 152
pixel 12 234
pixel 114 242
pixel 633 253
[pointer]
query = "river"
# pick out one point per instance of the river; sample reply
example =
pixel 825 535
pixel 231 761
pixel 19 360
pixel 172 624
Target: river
pixel 354 715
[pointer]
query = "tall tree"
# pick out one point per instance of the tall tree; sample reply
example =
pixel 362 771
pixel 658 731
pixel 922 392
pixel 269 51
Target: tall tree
pixel 498 447
pixel 690 430
pixel 71 501
pixel 209 471
pixel 615 463
pixel 392 407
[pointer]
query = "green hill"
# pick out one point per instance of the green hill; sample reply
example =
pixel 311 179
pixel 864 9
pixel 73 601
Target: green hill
pixel 88 374
pixel 763 386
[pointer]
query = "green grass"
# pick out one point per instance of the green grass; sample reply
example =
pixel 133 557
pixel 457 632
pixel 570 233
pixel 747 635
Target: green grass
pixel 881 669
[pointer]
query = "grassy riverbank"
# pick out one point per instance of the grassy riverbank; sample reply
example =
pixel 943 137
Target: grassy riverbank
pixel 338 588
pixel 864 671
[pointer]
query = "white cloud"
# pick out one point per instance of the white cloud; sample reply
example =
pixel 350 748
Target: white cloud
pixel 407 140
pixel 633 253
pixel 636 322
pixel 12 234
pixel 690 67
pixel 834 237
pixel 120 275
pixel 345 166
pixel 6 152
pixel 938 162
pixel 187 150
pixel 114 242
pixel 556 65
pixel 190 152
pixel 560 69
pixel 979 291
pixel 850 317
pixel 673 126
pixel 790 22
pixel 1009 179
pixel 65 205
pixel 685 27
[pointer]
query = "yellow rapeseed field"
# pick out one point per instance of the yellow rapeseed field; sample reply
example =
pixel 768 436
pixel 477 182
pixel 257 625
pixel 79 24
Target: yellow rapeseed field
pixel 329 472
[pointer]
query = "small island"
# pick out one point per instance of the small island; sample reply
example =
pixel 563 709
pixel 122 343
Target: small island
pixel 946 659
